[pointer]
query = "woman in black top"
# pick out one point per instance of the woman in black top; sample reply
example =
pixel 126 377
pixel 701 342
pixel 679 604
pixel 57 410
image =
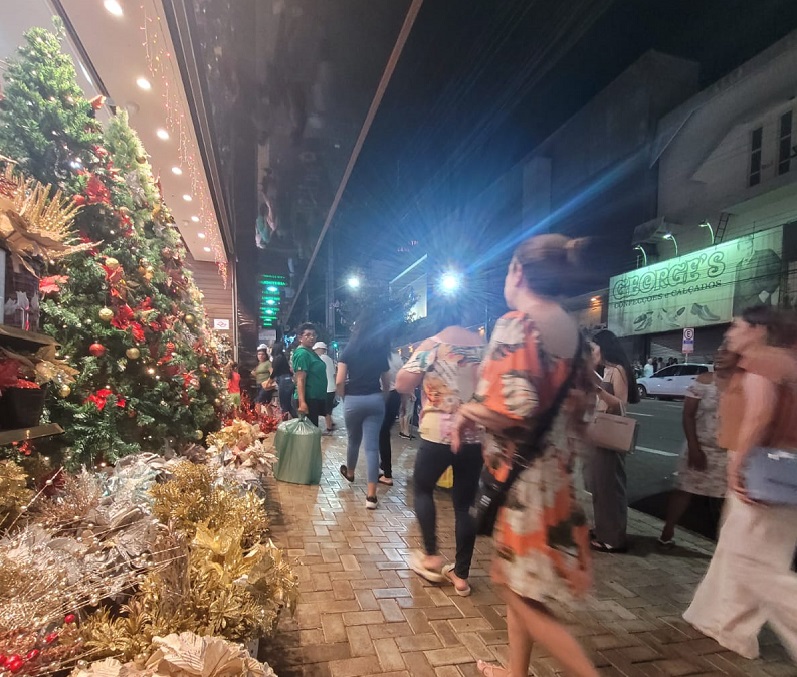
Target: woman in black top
pixel 281 373
pixel 362 380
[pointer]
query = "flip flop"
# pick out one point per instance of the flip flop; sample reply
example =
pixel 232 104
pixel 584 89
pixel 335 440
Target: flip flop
pixel 416 564
pixel 600 546
pixel 387 481
pixel 449 568
pixel 489 670
pixel 345 472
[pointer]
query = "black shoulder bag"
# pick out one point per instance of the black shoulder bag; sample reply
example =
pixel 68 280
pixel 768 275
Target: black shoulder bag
pixel 492 492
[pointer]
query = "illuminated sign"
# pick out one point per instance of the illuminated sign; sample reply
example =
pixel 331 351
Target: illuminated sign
pixel 706 287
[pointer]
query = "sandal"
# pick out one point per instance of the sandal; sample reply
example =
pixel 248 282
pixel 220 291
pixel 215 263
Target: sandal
pixel 416 564
pixel 464 592
pixel 600 546
pixel 387 481
pixel 489 670
pixel 345 472
pixel 665 545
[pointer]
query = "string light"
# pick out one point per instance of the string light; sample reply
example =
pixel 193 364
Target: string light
pixel 161 65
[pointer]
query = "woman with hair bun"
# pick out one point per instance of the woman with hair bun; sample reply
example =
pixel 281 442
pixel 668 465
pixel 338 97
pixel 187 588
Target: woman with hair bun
pixel 536 369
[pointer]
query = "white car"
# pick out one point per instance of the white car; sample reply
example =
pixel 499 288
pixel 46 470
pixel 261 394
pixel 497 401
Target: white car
pixel 671 381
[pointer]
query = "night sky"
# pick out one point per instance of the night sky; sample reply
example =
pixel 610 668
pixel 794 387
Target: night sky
pixel 481 83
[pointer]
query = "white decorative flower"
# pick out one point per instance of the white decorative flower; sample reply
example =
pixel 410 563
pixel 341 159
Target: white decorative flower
pixel 520 396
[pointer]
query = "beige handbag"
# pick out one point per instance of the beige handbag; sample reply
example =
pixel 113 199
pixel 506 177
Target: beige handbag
pixel 610 431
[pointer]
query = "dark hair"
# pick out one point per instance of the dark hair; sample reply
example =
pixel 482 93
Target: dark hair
pixel 781 325
pixel 277 349
pixel 306 326
pixel 446 312
pixel 370 334
pixel 612 352
pixel 549 262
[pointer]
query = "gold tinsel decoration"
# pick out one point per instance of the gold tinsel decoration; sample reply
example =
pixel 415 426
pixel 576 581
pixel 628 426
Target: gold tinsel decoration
pixel 193 496
pixel 34 225
pixel 14 492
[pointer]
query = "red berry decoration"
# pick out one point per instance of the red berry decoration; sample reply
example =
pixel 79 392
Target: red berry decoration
pixel 3 660
pixel 15 663
pixel 70 618
pixel 97 349
pixel 51 637
pixel 32 655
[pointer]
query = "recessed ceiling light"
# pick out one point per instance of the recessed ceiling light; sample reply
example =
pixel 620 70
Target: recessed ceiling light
pixel 144 84
pixel 114 7
pixel 187 197
pixel 177 171
pixel 162 134
pixel 201 236
pixel 195 219
pixel 207 249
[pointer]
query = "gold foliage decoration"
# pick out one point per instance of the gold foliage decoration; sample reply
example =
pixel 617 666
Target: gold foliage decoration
pixel 14 492
pixel 34 225
pixel 194 496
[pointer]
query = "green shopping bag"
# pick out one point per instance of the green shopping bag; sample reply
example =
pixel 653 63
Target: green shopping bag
pixel 298 445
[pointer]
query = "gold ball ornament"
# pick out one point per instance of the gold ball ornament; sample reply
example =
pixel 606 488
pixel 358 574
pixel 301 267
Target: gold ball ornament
pixel 198 434
pixel 112 263
pixel 64 391
pixel 106 314
pixel 190 319
pixel 133 353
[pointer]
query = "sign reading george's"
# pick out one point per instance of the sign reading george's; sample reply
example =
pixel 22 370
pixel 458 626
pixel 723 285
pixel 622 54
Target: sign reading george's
pixel 703 288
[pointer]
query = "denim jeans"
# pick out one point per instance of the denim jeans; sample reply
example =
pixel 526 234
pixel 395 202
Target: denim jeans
pixel 363 415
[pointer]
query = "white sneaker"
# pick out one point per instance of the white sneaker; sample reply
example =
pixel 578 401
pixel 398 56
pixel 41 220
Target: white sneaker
pixel 370 502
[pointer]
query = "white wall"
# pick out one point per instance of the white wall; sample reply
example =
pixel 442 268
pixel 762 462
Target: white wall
pixel 704 169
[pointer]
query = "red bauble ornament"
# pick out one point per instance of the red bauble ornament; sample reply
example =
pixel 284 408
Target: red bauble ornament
pixel 97 350
pixel 15 662
pixel 70 618
pixel 3 660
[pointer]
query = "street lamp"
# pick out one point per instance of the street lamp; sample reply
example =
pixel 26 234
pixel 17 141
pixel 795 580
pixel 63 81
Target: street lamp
pixel 706 224
pixel 450 283
pixel 644 253
pixel 671 237
pixel 353 282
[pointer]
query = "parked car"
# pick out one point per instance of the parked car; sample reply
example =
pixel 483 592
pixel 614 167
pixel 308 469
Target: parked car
pixel 671 381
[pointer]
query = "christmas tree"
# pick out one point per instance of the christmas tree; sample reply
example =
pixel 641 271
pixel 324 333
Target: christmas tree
pixel 126 313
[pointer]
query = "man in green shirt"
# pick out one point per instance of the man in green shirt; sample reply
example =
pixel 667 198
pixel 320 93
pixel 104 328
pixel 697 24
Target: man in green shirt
pixel 310 374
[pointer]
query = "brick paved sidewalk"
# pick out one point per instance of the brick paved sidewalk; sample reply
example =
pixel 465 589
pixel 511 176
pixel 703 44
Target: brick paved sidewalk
pixel 363 612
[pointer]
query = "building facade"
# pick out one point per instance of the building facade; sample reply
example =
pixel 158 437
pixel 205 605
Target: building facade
pixel 724 236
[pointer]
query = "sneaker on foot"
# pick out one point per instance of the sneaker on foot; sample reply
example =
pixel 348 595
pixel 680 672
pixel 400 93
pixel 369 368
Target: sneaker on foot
pixel 370 502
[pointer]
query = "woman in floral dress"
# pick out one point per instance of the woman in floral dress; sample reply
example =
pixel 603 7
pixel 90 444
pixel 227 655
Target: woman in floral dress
pixel 703 467
pixel 541 537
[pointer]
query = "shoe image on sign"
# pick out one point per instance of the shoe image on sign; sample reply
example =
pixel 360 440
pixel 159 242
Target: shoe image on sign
pixel 704 313
pixel 669 317
pixel 643 321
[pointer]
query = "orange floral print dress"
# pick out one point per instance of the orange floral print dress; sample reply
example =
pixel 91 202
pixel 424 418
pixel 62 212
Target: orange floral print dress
pixel 537 527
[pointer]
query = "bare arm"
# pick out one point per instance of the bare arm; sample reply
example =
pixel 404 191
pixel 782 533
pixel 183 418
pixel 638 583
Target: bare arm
pixel 340 378
pixel 761 399
pixel 619 383
pixel 407 382
pixel 301 381
pixel 696 456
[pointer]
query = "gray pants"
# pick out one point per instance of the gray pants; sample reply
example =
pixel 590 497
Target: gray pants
pixel 604 476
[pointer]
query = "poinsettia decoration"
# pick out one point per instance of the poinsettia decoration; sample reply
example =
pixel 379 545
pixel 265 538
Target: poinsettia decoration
pixel 100 398
pixel 96 192
pixel 52 284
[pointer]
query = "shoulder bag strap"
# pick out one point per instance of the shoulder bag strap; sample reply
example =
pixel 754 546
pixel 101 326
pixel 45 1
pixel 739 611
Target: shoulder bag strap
pixel 530 449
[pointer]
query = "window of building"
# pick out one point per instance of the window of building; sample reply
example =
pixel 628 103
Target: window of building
pixel 755 156
pixel 784 143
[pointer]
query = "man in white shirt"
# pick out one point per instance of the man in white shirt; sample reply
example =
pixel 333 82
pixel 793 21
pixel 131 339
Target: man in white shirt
pixel 320 349
pixel 647 371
